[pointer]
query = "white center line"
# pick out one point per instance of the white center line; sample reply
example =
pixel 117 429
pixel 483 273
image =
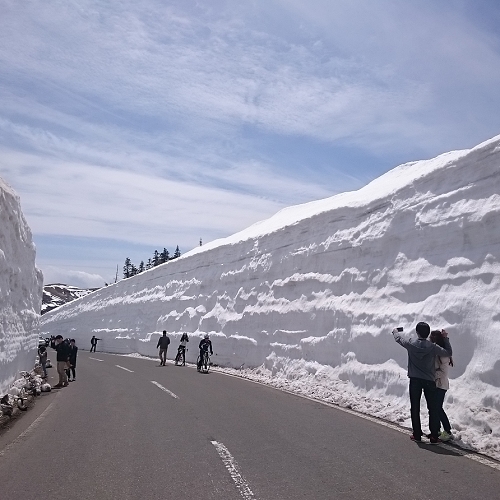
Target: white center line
pixel 235 474
pixel 165 389
pixel 123 368
pixel 95 359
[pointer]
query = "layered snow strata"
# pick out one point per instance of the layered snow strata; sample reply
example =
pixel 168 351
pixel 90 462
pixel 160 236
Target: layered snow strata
pixel 310 296
pixel 20 290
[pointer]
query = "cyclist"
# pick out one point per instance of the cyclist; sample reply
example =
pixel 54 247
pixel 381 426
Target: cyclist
pixel 205 345
pixel 181 350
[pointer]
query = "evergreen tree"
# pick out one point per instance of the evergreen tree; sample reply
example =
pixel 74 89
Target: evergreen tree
pixel 133 271
pixel 164 256
pixel 141 267
pixel 149 264
pixel 127 268
pixel 177 253
pixel 156 258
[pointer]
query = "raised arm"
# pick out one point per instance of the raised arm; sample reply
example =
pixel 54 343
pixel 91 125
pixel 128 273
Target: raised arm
pixel 446 351
pixel 398 338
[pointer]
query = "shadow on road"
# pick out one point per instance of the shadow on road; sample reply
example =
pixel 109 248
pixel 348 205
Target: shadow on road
pixel 438 450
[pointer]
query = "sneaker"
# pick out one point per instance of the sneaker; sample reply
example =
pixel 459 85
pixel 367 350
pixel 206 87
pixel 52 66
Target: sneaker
pixel 415 438
pixel 445 436
pixel 57 386
pixel 434 440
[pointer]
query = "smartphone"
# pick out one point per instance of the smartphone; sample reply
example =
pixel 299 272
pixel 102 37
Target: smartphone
pixel 399 328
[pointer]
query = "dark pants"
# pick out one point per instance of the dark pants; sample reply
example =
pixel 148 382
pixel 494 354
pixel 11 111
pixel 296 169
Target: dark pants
pixel 93 346
pixel 417 385
pixel 181 353
pixel 202 358
pixel 440 394
pixel 70 370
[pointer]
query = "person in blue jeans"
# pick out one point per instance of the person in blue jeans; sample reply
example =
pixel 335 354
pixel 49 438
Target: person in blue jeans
pixel 443 365
pixel 422 374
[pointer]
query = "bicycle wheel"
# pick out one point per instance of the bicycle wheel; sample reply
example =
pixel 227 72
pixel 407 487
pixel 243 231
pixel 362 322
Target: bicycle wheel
pixel 177 358
pixel 198 364
pixel 207 363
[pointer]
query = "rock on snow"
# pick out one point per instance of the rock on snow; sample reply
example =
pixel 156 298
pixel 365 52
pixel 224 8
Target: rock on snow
pixel 309 297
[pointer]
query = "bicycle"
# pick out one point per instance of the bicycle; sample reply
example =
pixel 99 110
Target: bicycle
pixel 181 354
pixel 205 363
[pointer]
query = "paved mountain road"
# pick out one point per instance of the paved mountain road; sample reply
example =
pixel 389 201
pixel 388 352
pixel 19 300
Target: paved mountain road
pixel 115 434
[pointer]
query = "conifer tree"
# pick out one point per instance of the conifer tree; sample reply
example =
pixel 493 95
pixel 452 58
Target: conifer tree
pixel 149 264
pixel 133 271
pixel 177 253
pixel 156 258
pixel 141 268
pixel 127 268
pixel 164 256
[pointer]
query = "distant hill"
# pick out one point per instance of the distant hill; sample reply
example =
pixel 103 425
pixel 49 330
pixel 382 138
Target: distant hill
pixel 57 294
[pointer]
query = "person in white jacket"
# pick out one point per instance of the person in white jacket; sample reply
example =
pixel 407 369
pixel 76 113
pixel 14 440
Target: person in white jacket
pixel 443 364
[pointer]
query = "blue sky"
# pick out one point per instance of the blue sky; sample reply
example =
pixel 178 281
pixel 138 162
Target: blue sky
pixel 127 126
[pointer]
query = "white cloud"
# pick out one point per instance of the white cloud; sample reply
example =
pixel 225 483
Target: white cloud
pixel 72 199
pixel 379 65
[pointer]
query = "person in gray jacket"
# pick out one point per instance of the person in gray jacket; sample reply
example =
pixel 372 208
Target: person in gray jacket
pixel 422 374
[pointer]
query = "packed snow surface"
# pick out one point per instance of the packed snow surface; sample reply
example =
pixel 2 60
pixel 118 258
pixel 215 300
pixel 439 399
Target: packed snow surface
pixel 307 299
pixel 20 291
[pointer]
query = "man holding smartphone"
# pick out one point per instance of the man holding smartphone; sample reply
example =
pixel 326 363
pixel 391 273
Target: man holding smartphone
pixel 422 373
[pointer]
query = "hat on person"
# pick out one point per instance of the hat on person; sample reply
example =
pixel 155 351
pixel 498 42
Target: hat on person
pixel 59 337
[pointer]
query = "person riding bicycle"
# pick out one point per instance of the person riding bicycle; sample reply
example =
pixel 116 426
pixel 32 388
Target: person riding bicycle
pixel 181 350
pixel 205 345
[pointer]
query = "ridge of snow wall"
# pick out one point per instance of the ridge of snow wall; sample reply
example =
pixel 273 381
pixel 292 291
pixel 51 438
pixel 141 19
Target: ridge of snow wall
pixel 20 290
pixel 314 302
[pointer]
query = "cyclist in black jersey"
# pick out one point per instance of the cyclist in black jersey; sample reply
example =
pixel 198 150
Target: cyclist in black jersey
pixel 205 346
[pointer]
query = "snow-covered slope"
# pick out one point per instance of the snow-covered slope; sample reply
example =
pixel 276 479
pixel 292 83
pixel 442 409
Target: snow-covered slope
pixel 20 290
pixel 311 295
pixel 57 294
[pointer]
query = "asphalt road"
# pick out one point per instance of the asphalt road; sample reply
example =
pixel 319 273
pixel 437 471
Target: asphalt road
pixel 130 429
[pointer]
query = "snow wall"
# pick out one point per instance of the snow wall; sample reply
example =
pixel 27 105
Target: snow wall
pixel 20 291
pixel 309 297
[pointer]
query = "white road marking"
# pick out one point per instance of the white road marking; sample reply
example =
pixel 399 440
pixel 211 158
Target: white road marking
pixel 232 467
pixel 95 359
pixel 123 368
pixel 164 389
pixel 472 456
pixel 31 428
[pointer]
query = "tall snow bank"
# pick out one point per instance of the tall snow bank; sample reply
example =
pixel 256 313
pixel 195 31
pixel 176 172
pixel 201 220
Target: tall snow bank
pixel 311 295
pixel 20 290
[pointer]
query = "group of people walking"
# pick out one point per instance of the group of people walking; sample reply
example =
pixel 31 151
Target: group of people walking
pixel 428 363
pixel 205 346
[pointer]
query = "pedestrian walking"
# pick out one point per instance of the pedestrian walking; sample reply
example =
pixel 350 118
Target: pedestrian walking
pixel 163 343
pixel 422 375
pixel 62 349
pixel 72 361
